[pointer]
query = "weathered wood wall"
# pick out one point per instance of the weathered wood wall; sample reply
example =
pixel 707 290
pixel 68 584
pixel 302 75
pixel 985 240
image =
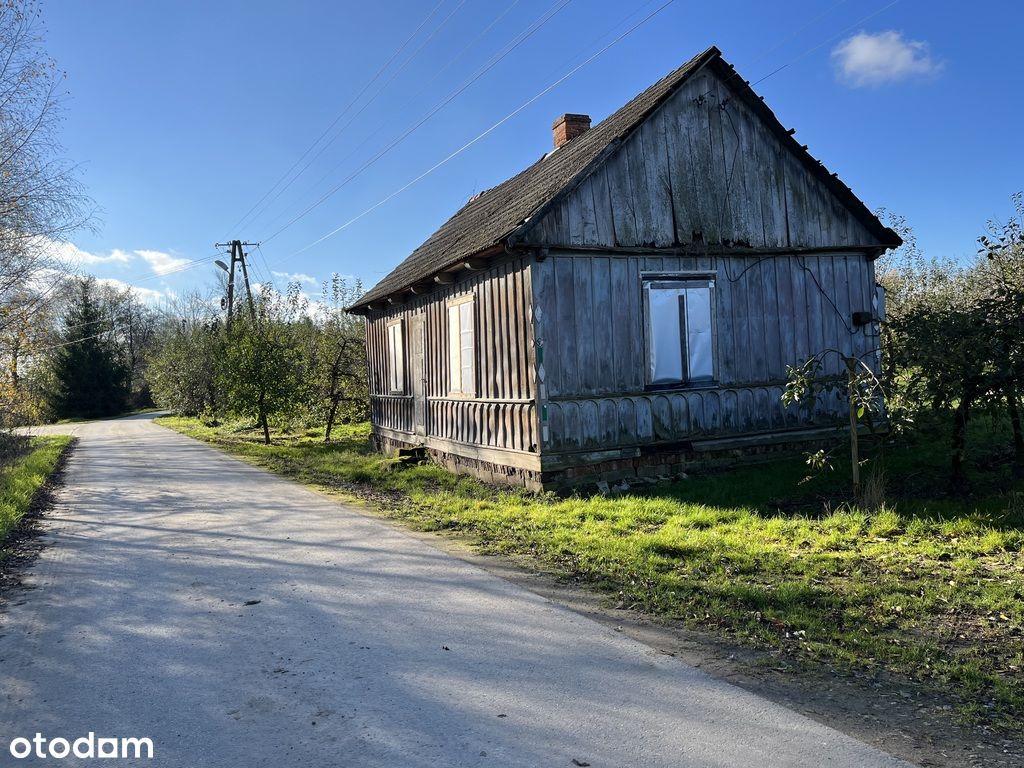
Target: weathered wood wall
pixel 504 415
pixel 703 169
pixel 702 187
pixel 770 312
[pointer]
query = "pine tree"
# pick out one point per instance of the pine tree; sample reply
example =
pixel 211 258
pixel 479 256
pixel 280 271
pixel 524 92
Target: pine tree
pixel 90 377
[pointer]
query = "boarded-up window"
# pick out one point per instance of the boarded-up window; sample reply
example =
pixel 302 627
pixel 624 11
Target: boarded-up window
pixel 680 338
pixel 396 358
pixel 461 347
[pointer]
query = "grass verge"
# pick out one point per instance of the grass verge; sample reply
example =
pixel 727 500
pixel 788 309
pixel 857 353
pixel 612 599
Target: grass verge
pixel 930 587
pixel 27 465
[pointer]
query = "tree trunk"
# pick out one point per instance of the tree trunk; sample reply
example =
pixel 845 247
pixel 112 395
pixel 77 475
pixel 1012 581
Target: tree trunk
pixel 335 395
pixel 330 419
pixel 960 417
pixel 1013 405
pixel 266 427
pixel 15 378
pixel 262 404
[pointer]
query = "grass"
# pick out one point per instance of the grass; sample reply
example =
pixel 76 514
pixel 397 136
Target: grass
pixel 25 468
pixel 930 586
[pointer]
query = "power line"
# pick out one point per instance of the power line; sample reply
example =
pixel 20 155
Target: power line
pixel 384 124
pixel 107 332
pixel 823 43
pixel 562 79
pixel 342 114
pixel 129 281
pixel 488 66
pixel 796 32
pixel 473 42
pixel 487 132
pixel 190 264
pixel 362 108
pixel 559 5
pixel 510 46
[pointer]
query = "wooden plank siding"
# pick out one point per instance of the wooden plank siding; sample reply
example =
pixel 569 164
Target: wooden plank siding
pixel 703 169
pixel 704 185
pixel 770 311
pixel 503 413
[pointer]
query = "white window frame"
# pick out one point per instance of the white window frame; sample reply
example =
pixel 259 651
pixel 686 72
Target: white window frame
pixel 395 341
pixel 461 319
pixel 681 283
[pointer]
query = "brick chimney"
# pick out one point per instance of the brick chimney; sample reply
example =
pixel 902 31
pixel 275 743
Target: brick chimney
pixel 568 127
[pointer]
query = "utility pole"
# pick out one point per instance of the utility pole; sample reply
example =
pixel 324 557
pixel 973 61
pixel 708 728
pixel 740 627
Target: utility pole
pixel 237 257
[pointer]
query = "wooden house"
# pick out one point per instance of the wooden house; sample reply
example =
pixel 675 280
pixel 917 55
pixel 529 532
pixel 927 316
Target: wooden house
pixel 628 304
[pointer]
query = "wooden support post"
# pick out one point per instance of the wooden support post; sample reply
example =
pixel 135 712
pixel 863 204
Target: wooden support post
pixel 248 287
pixel 854 444
pixel 231 284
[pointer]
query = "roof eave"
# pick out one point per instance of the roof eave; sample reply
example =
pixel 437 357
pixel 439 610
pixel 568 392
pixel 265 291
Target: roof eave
pixel 465 262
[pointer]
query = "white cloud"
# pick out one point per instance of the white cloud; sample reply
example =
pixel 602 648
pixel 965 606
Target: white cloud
pixel 72 255
pixel 162 263
pixel 295 277
pixel 886 57
pixel 147 295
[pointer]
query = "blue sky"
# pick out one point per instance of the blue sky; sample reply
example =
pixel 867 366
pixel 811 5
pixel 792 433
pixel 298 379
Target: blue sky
pixel 184 114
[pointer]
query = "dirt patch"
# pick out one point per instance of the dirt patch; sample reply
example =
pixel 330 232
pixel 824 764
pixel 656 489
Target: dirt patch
pixel 25 541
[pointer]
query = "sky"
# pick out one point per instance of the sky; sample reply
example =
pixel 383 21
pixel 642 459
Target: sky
pixel 186 116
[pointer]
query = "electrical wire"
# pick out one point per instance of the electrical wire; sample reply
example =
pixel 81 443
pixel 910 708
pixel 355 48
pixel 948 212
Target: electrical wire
pixel 365 105
pixel 199 262
pixel 487 132
pixel 342 114
pixel 801 263
pixel 809 23
pixel 473 42
pixel 823 43
pixel 384 124
pixel 559 5
pixel 74 341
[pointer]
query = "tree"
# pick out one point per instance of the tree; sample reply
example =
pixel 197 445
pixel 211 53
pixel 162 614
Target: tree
pixel 338 366
pixel 1002 268
pixel 41 198
pixel 134 332
pixel 859 386
pixel 185 361
pixel 90 377
pixel 954 336
pixel 264 366
pixel 946 350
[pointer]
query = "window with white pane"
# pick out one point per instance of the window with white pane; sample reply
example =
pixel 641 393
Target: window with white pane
pixel 461 347
pixel 680 331
pixel 396 358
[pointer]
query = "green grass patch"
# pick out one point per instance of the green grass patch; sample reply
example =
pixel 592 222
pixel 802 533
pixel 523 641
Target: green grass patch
pixel 931 586
pixel 25 469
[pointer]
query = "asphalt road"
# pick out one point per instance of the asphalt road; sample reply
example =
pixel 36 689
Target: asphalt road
pixel 367 646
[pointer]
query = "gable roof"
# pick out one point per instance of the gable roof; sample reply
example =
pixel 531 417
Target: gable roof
pixel 491 217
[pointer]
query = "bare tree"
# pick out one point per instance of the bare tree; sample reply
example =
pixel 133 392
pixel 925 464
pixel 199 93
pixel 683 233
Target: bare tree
pixel 339 359
pixel 42 199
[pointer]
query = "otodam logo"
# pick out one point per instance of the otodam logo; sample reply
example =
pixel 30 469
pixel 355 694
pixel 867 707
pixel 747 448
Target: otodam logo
pixel 84 747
